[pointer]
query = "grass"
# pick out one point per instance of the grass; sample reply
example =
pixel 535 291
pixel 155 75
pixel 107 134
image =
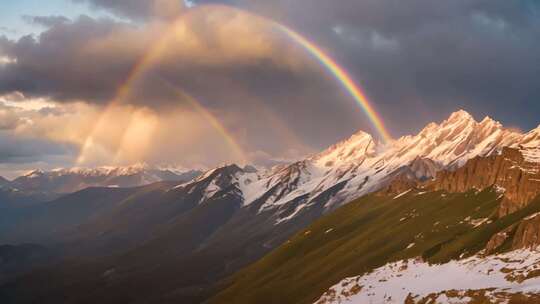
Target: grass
pixel 364 235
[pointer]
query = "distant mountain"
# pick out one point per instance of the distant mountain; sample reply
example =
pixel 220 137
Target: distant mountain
pixel 201 230
pixel 3 181
pixel 74 179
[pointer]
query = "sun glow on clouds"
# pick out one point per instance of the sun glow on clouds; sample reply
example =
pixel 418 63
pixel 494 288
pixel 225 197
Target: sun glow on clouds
pixel 128 134
pixel 7 60
pixel 124 135
pixel 18 100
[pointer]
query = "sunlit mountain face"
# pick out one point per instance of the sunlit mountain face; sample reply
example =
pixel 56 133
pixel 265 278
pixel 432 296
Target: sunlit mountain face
pixel 243 151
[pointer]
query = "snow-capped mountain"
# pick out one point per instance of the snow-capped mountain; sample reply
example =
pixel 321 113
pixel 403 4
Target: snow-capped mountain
pixel 360 165
pixel 74 179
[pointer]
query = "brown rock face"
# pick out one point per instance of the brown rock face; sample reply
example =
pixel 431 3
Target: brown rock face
pixel 528 233
pixel 517 177
pixel 498 239
pixel 400 184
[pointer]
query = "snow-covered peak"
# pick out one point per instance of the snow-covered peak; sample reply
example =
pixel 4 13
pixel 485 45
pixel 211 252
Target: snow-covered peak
pixel 354 149
pixel 223 180
pixel 532 138
pixel 105 170
pixel 459 116
pixel 457 139
pixel 359 165
pixel 34 173
pixel 67 180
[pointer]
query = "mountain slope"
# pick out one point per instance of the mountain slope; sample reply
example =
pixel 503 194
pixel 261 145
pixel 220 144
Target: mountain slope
pixel 456 214
pixel 366 234
pixel 200 231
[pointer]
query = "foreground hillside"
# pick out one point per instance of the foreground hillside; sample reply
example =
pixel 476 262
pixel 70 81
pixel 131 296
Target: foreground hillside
pixel 368 233
pixel 487 206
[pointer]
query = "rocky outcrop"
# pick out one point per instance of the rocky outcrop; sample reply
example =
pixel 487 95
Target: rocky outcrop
pixel 528 233
pixel 498 239
pixel 524 234
pixel 509 171
pixel 401 182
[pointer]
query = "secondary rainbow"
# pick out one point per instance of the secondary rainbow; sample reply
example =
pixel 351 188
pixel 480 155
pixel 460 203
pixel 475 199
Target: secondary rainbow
pixel 343 78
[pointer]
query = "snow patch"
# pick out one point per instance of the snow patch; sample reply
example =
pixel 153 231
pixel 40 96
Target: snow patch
pixel 402 194
pixel 510 272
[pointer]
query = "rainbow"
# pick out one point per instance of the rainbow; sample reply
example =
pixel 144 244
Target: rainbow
pixel 343 78
pixel 160 46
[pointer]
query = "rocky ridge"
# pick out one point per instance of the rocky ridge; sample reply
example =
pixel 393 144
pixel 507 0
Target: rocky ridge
pixel 361 165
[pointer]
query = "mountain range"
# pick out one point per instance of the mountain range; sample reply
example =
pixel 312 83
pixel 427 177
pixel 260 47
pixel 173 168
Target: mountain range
pixel 74 179
pixel 461 189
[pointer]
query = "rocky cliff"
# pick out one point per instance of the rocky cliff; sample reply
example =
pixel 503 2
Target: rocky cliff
pixel 510 171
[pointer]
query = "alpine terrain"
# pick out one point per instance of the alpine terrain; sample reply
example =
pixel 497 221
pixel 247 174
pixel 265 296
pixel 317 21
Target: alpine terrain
pixel 340 226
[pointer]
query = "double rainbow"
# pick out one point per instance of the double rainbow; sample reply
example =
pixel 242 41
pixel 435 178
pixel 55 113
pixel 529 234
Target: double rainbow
pixel 160 46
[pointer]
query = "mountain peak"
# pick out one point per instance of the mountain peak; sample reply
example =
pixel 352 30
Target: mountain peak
pixel 34 173
pixel 460 115
pixel 359 145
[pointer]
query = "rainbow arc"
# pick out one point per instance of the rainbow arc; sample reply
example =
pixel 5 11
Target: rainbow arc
pixel 338 72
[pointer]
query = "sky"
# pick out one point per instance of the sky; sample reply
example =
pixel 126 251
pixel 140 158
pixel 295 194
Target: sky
pixel 199 83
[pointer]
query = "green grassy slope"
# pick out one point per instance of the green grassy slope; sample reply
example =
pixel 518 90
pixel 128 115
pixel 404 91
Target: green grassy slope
pixel 366 234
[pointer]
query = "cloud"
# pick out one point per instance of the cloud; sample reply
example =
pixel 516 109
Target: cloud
pixel 26 136
pixel 46 21
pixel 89 59
pixel 416 62
pixel 140 9
pixel 17 150
pixel 8 120
pixel 234 63
pixel 433 57
pixel 63 64
pixel 8 30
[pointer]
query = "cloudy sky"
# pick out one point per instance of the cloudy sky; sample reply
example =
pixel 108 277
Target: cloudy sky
pixel 104 82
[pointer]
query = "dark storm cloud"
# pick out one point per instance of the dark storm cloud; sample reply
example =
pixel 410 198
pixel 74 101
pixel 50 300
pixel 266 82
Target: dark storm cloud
pixel 89 59
pixel 16 149
pixel 67 62
pixel 420 59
